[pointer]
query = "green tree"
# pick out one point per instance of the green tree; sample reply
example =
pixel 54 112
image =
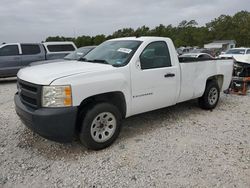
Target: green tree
pixel 98 39
pixel 186 33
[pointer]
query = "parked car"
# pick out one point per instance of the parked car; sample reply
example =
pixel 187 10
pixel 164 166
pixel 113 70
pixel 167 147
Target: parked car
pixel 235 52
pixel 203 50
pixel 241 75
pixel 118 79
pixel 184 50
pixel 76 55
pixel 196 56
pixel 14 56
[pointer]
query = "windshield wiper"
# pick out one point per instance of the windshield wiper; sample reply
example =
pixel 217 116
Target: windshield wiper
pixel 67 58
pixel 99 61
pixel 82 59
pixel 94 60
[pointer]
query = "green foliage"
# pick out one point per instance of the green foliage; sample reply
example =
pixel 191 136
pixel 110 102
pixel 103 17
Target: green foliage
pixel 187 33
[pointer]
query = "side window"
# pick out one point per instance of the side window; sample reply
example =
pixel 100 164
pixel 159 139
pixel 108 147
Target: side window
pixel 9 50
pixel 30 49
pixel 248 51
pixel 61 48
pixel 155 55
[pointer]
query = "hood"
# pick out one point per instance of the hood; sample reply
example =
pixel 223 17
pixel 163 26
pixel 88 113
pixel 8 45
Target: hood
pixel 47 61
pixel 47 73
pixel 243 59
pixel 230 55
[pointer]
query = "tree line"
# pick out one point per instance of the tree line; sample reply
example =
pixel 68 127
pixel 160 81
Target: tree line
pixel 187 33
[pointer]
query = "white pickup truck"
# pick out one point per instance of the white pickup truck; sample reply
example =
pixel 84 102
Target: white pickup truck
pixel 120 78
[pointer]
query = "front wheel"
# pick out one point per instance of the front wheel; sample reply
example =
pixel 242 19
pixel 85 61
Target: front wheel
pixel 210 98
pixel 101 126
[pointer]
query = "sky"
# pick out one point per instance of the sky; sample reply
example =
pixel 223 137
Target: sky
pixel 35 20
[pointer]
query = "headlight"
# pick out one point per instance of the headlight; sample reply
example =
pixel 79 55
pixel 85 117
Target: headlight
pixel 56 96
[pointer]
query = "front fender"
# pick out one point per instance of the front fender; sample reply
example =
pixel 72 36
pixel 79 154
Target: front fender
pixel 87 85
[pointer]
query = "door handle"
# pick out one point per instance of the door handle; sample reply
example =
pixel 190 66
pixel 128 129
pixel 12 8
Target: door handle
pixel 169 75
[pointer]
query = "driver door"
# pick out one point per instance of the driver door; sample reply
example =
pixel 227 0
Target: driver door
pixel 154 81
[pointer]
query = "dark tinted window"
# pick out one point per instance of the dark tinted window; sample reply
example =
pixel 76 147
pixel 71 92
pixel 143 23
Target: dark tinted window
pixel 30 49
pixel 9 50
pixel 61 48
pixel 248 51
pixel 155 55
pixel 236 51
pixel 204 57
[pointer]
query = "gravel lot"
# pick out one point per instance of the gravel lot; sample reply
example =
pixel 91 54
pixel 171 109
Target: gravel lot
pixel 180 146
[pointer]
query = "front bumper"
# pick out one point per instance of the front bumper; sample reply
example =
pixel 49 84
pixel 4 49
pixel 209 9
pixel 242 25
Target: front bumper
pixel 56 124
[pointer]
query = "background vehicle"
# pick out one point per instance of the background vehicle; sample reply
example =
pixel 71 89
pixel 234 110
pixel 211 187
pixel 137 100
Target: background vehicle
pixel 195 56
pixel 76 55
pixel 119 78
pixel 241 75
pixel 235 52
pixel 17 55
pixel 203 50
pixel 184 50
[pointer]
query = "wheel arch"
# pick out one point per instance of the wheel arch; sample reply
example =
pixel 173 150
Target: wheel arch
pixel 219 79
pixel 116 98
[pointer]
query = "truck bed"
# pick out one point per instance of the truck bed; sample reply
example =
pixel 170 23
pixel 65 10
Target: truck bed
pixel 195 73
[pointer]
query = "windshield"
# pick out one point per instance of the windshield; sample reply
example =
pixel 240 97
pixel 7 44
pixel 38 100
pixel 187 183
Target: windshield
pixel 76 55
pixel 236 51
pixel 116 53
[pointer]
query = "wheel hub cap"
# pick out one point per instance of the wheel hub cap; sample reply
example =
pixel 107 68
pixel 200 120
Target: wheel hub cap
pixel 103 127
pixel 213 96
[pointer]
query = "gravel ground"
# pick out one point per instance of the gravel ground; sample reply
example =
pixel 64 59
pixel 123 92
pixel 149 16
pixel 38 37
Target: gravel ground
pixel 180 146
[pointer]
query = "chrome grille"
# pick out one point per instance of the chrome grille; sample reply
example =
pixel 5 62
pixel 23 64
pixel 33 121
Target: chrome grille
pixel 30 94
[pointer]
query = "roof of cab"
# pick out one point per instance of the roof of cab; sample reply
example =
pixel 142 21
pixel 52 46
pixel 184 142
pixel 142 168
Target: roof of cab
pixel 59 42
pixel 143 39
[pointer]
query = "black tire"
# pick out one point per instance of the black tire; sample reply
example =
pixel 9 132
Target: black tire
pixel 205 100
pixel 89 117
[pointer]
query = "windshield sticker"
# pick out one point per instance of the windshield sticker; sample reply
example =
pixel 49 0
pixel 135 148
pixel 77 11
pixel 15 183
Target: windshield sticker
pixel 124 50
pixel 118 62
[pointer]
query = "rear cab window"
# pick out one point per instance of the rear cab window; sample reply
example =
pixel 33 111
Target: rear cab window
pixel 30 49
pixel 61 48
pixel 9 50
pixel 155 55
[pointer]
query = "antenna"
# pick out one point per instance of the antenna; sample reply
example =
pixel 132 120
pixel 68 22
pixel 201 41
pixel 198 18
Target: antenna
pixel 137 35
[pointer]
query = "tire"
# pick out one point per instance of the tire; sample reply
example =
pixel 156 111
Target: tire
pixel 210 98
pixel 100 126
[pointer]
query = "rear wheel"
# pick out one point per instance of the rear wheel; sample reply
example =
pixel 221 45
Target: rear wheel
pixel 101 126
pixel 210 98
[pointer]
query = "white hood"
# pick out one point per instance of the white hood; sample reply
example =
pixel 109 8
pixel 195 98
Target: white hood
pixel 243 58
pixel 45 74
pixel 230 55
